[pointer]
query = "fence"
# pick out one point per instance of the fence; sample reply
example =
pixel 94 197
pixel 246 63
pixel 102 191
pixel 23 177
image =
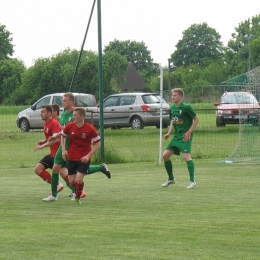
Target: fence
pixel 234 142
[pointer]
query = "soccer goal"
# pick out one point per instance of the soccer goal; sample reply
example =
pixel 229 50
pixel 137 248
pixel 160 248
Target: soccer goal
pixel 247 149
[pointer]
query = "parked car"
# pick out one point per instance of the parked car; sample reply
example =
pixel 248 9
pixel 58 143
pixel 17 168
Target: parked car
pixel 237 107
pixel 30 118
pixel 135 110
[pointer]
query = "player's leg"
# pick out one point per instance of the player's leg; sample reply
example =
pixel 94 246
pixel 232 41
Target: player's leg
pixel 168 166
pixel 55 178
pixel 79 186
pixel 40 169
pixel 65 177
pixel 190 164
pixel 72 174
pixel 82 170
pixel 54 183
pixel 42 173
pixel 99 168
pixel 58 163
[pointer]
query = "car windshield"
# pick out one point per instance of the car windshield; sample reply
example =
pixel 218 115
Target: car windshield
pixel 85 101
pixel 238 99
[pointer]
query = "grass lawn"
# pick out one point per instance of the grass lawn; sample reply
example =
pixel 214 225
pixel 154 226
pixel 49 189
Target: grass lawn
pixel 131 216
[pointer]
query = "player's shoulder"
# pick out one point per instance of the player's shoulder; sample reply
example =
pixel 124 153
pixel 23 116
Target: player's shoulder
pixel 186 105
pixel 87 125
pixel 55 121
pixel 70 124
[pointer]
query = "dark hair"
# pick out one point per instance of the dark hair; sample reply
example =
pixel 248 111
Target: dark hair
pixel 56 108
pixel 48 108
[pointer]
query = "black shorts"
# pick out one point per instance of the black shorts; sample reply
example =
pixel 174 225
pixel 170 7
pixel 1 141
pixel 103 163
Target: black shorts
pixel 74 167
pixel 47 161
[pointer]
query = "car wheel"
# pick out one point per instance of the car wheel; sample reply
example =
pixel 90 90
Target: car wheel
pixel 219 123
pixel 137 123
pixel 24 125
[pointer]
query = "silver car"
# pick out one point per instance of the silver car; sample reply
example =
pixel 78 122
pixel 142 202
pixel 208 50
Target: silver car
pixel 30 118
pixel 135 110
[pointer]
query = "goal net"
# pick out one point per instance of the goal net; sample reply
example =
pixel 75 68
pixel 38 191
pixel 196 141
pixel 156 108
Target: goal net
pixel 247 149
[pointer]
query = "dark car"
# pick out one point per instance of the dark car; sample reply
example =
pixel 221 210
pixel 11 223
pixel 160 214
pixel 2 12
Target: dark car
pixel 237 107
pixel 135 110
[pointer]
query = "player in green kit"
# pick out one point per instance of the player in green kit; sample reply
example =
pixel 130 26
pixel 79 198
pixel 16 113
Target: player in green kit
pixel 67 117
pixel 183 122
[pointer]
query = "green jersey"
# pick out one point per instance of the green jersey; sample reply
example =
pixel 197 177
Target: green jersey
pixel 64 120
pixel 182 118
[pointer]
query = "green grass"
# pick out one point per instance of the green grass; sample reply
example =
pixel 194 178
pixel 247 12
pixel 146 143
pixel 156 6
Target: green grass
pixel 131 216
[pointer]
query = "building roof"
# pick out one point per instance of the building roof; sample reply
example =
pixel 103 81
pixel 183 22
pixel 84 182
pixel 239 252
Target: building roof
pixel 133 80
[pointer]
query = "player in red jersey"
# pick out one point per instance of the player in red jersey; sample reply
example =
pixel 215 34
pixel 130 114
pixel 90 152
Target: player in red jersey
pixel 84 142
pixel 51 128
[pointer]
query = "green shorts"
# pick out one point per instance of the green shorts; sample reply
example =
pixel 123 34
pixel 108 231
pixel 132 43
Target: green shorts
pixel 58 158
pixel 178 146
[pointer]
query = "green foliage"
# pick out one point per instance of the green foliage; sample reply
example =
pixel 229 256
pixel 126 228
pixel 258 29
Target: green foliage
pixel 200 59
pixel 136 53
pixel 11 71
pixel 200 45
pixel 6 46
pixel 114 67
pixel 192 76
pixel 50 75
pixel 244 40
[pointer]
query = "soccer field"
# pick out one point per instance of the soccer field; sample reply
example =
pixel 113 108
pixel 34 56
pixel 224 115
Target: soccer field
pixel 131 216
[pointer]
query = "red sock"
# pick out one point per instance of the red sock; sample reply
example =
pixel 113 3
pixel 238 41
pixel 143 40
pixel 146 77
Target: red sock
pixel 79 188
pixel 66 179
pixel 45 176
pixel 73 186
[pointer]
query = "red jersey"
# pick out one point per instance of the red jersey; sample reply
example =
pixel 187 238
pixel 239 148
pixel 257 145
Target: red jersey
pixel 81 139
pixel 50 129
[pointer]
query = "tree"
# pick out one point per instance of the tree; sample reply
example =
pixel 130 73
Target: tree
pixel 114 67
pixel 6 47
pixel 200 45
pixel 138 54
pixel 54 74
pixel 242 53
pixel 11 71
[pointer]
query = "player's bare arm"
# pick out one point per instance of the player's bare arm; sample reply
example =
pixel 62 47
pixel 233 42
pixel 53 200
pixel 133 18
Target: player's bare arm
pixel 187 135
pixel 166 136
pixel 87 157
pixel 55 137
pixel 63 147
pixel 42 142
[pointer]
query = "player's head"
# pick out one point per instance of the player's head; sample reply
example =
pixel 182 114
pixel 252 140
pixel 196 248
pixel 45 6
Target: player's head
pixel 46 112
pixel 180 91
pixel 80 110
pixel 177 95
pixel 68 101
pixel 79 114
pixel 55 110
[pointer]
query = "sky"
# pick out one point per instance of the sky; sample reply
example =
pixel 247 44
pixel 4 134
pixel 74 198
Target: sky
pixel 41 29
